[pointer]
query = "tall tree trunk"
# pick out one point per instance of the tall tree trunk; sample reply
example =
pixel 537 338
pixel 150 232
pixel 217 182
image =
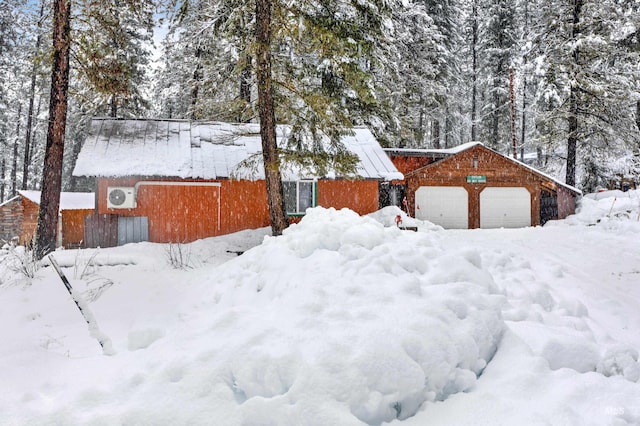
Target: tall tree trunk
pixel 245 89
pixel 474 71
pixel 27 140
pixel 523 123
pixel 113 106
pixel 3 170
pixel 32 96
pixel 421 119
pixel 32 148
pixel 3 127
pixel 435 134
pixel 494 141
pixel 541 159
pixel 447 127
pixel 275 193
pixel 523 130
pixel 52 170
pixel 14 168
pixel 638 114
pixel 572 139
pixel 197 81
pixel 512 104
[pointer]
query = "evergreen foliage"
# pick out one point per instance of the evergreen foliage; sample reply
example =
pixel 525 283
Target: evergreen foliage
pixel 589 82
pixel 497 42
pixel 404 68
pixel 111 55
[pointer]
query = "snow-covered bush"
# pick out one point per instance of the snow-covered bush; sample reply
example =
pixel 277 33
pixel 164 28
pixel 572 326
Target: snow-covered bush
pixel 179 255
pixel 20 260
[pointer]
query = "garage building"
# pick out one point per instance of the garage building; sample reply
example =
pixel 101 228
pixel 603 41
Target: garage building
pixel 472 186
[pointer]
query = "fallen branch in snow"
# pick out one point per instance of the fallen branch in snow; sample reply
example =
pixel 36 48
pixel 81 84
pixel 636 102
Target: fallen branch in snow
pixel 94 331
pixel 612 204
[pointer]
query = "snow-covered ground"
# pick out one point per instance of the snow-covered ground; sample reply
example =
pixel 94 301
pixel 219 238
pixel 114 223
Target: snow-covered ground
pixel 343 320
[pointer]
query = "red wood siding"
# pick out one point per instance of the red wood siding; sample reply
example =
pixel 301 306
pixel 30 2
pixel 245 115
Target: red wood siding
pixel 244 205
pixel 407 164
pixel 499 172
pixel 186 213
pixel 73 227
pixel 360 196
pixel 29 221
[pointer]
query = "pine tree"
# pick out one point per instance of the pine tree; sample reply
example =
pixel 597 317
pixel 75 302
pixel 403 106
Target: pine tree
pixel 588 92
pixel 322 53
pixel 497 41
pixel 409 81
pixel 442 104
pixel 207 67
pixel 8 50
pixel 474 24
pixel 112 56
pixel 46 231
pixel 264 77
pixel 35 71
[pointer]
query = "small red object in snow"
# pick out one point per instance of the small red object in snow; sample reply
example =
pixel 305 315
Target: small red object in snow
pixel 398 220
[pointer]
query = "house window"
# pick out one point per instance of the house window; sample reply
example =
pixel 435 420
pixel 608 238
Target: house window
pixel 299 196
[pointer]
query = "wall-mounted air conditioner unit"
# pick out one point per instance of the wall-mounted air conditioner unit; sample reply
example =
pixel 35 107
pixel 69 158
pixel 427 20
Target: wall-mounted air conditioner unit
pixel 121 197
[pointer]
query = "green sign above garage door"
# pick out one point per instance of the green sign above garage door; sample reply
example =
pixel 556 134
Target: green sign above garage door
pixel 476 179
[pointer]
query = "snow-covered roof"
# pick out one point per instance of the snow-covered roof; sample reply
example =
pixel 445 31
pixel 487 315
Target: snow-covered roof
pixel 10 200
pixel 199 150
pixel 68 200
pixel 443 153
pixel 533 169
pixel 434 152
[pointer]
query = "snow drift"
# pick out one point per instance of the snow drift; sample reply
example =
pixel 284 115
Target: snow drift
pixel 342 320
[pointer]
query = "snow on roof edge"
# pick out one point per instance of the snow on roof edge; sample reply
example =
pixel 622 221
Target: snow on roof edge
pixel 68 200
pixel 533 169
pixel 9 200
pixel 465 146
pixel 446 151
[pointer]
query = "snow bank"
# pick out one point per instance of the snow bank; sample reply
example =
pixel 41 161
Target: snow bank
pixel 363 316
pixel 610 210
pixel 342 320
pixel 388 216
pixel 339 321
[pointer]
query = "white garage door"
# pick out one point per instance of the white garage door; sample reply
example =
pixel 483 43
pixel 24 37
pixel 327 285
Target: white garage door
pixel 505 208
pixel 447 206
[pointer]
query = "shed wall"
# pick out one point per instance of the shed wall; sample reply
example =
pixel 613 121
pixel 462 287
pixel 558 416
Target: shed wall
pixel 566 203
pixel 73 227
pixel 11 220
pixel 29 221
pixel 186 213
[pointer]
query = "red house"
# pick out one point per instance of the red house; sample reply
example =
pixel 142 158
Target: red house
pixel 178 180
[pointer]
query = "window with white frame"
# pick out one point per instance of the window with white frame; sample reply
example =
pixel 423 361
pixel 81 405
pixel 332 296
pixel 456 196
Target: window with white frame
pixel 299 196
